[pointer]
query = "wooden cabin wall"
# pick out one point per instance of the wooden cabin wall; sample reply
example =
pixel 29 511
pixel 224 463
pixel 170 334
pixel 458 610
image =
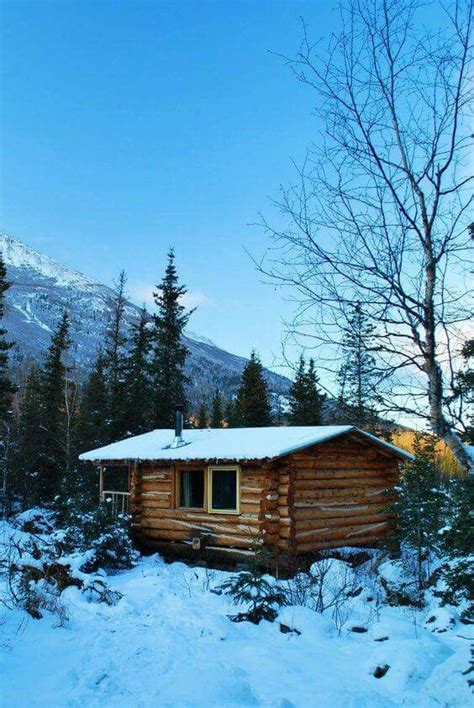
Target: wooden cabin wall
pixel 337 495
pixel 155 511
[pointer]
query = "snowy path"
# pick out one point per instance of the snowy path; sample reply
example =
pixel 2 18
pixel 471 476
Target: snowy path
pixel 168 642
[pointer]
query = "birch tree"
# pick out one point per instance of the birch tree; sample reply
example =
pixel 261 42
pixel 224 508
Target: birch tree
pixel 380 212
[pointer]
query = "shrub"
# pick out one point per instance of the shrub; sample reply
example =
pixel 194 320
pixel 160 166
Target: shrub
pixel 106 537
pixel 253 590
pixel 455 586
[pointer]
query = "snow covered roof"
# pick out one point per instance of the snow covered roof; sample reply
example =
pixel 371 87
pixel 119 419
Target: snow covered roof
pixel 228 443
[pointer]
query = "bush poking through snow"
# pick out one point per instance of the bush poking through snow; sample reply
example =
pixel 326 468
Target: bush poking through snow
pixel 39 563
pixel 35 578
pixel 328 586
pixel 97 590
pixel 258 594
pixel 107 538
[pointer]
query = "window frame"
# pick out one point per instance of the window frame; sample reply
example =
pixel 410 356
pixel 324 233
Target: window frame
pixel 178 489
pixel 223 468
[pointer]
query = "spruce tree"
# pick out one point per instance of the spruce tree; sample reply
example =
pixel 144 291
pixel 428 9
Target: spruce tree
pixel 53 455
pixel 137 378
pixel 30 441
pixel 357 381
pixel 168 349
pixel 6 391
pixel 230 413
pixel 305 398
pixel 92 428
pixel 217 416
pixel 115 361
pixel 253 405
pixel 6 386
pixel 202 417
pixel 464 389
pixel 418 507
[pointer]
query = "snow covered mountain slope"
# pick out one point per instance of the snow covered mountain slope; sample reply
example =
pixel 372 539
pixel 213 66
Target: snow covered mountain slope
pixel 41 289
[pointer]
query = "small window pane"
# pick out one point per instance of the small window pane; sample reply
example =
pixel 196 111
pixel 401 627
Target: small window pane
pixel 191 493
pixel 115 478
pixel 224 489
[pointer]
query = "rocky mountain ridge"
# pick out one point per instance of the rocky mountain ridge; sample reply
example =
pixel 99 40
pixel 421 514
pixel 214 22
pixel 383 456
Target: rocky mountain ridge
pixel 41 289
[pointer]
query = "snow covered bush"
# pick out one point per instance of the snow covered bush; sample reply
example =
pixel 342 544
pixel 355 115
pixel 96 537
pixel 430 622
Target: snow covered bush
pixel 35 575
pixel 255 592
pixel 106 538
pixel 455 586
pixel 328 586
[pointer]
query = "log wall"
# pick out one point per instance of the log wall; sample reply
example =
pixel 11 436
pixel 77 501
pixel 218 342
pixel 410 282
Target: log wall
pixel 339 495
pixel 159 517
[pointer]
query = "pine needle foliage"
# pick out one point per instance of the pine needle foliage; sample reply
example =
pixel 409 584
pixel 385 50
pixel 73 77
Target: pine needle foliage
pixel 168 349
pixel 258 594
pixel 253 404
pixel 305 398
pixel 217 415
pixel 419 507
pixel 358 395
pixel 7 389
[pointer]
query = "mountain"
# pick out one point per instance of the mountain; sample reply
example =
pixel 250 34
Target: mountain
pixel 41 289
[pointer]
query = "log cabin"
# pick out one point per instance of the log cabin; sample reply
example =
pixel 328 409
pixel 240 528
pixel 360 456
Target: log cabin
pixel 295 489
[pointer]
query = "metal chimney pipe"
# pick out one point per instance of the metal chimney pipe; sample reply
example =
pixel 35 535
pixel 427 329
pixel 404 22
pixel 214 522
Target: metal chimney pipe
pixel 178 422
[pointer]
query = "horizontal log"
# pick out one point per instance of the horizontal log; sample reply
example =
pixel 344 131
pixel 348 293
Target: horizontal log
pixel 347 533
pixel 148 491
pixel 157 476
pixel 310 524
pixel 325 545
pixel 346 483
pixel 228 541
pixel 340 493
pixel 358 510
pixel 345 472
pixel 156 503
pixel 339 506
pixel 200 516
pixel 193 527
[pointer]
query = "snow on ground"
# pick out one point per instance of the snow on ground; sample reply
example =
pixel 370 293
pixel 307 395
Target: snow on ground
pixel 169 642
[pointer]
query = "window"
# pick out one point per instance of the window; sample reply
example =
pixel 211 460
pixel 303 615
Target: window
pixel 223 489
pixel 115 478
pixel 191 489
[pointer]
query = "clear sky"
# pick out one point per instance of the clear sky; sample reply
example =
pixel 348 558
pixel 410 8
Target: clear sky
pixel 133 125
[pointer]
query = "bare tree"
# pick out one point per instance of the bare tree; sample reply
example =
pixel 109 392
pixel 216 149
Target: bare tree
pixel 379 213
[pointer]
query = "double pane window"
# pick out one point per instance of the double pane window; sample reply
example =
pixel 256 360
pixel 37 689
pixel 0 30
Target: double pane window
pixel 216 488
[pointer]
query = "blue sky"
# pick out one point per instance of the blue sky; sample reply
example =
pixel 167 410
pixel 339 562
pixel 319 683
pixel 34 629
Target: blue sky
pixel 130 126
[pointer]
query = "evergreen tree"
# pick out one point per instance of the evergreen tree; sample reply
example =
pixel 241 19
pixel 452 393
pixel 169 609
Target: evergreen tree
pixel 230 414
pixel 305 398
pixel 115 362
pixel 217 416
pixel 358 391
pixel 458 533
pixel 30 440
pixel 137 378
pixel 6 392
pixel 6 387
pixel 465 387
pixel 202 417
pixel 92 428
pixel 418 507
pixel 253 405
pixel 53 450
pixel 168 349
